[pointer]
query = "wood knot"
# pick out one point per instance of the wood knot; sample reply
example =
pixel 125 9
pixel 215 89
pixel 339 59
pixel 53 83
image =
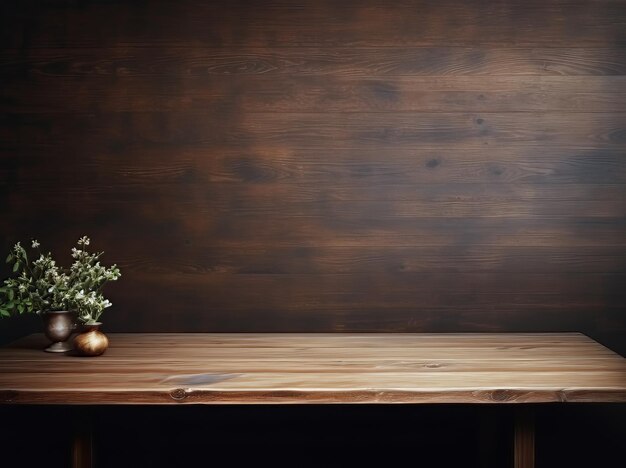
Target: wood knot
pixel 502 395
pixel 432 163
pixel 178 394
pixel 433 365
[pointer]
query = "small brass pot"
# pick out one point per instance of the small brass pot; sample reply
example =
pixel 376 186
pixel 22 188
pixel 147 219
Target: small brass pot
pixel 58 325
pixel 91 341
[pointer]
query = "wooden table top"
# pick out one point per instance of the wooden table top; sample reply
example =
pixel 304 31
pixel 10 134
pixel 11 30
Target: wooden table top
pixel 317 368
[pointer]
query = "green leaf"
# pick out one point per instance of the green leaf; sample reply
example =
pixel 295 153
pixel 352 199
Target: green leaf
pixel 4 313
pixel 20 308
pixel 11 294
pixel 9 257
pixel 16 266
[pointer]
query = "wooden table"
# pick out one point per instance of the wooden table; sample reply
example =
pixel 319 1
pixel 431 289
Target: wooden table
pixel 258 369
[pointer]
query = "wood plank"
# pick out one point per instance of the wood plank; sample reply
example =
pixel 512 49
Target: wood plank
pixel 305 93
pixel 450 314
pixel 201 365
pixel 328 382
pixel 381 286
pixel 446 171
pixel 526 209
pixel 280 194
pixel 257 232
pixel 362 230
pixel 233 129
pixel 610 381
pixel 415 209
pixel 203 258
pixel 319 23
pixel 423 129
pixel 273 397
pixel 370 62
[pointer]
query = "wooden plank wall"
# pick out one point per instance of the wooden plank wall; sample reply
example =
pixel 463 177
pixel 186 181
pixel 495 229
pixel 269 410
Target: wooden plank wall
pixel 326 165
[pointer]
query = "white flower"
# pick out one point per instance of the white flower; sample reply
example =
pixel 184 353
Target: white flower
pixel 22 288
pixel 83 240
pixel 35 244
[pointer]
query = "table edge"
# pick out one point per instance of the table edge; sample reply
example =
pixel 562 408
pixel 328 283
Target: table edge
pixel 287 396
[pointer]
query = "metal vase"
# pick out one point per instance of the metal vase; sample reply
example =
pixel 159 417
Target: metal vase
pixel 91 341
pixel 58 327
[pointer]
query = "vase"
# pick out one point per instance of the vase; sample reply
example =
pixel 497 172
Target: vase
pixel 58 327
pixel 91 341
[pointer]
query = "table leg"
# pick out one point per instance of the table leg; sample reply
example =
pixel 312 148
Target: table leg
pixel 524 438
pixel 82 443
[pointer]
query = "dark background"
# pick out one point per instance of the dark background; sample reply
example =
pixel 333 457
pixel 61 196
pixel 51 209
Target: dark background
pixel 325 165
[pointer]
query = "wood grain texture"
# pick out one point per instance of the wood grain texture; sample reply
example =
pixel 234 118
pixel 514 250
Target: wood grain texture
pixel 328 23
pixel 325 165
pixel 82 441
pixel 524 438
pixel 317 131
pixel 318 368
pixel 350 62
pixel 418 172
pixel 35 92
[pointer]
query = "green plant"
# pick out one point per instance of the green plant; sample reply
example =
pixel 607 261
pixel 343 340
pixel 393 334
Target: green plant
pixel 86 278
pixel 40 285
